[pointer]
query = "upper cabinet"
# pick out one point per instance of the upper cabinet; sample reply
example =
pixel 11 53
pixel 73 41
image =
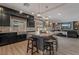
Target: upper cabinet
pixel 30 21
pixel 4 18
pixel 5 14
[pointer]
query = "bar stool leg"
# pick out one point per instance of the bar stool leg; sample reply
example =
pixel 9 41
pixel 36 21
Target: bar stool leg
pixel 37 47
pixel 43 47
pixel 32 48
pixel 27 46
pixel 52 48
pixel 56 46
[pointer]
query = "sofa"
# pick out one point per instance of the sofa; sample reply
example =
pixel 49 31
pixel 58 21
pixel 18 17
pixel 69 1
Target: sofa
pixel 72 33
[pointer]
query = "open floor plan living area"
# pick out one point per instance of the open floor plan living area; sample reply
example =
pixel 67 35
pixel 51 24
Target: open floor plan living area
pixel 39 28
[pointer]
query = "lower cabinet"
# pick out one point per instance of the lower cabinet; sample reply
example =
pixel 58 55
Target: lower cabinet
pixel 9 38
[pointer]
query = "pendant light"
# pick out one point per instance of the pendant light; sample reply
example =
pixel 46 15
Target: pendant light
pixel 39 12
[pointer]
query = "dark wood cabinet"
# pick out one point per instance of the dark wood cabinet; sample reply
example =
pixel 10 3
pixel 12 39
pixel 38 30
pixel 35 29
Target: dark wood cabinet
pixel 4 18
pixel 11 37
pixel 5 14
pixel 30 21
pixel 0 20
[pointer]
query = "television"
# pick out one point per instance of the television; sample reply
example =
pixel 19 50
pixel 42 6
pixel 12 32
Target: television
pixel 66 26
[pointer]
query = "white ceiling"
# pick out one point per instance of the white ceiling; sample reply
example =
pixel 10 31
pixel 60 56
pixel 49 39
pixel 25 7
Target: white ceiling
pixel 57 11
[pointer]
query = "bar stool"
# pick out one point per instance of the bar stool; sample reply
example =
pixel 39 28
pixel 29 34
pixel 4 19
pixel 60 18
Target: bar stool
pixel 55 42
pixel 48 46
pixel 33 45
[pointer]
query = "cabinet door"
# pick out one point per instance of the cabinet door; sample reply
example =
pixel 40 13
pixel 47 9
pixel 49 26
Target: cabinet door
pixel 4 17
pixel 0 20
pixel 5 20
pixel 0 16
pixel 3 40
pixel 30 22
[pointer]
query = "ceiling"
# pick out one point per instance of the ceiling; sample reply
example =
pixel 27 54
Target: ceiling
pixel 55 11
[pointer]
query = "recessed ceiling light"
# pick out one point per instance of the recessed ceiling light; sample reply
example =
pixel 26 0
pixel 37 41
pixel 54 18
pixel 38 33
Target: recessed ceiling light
pixel 27 16
pixel 46 6
pixel 43 17
pixel 32 13
pixel 20 11
pixel 49 16
pixel 38 15
pixel 46 18
pixel 59 14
